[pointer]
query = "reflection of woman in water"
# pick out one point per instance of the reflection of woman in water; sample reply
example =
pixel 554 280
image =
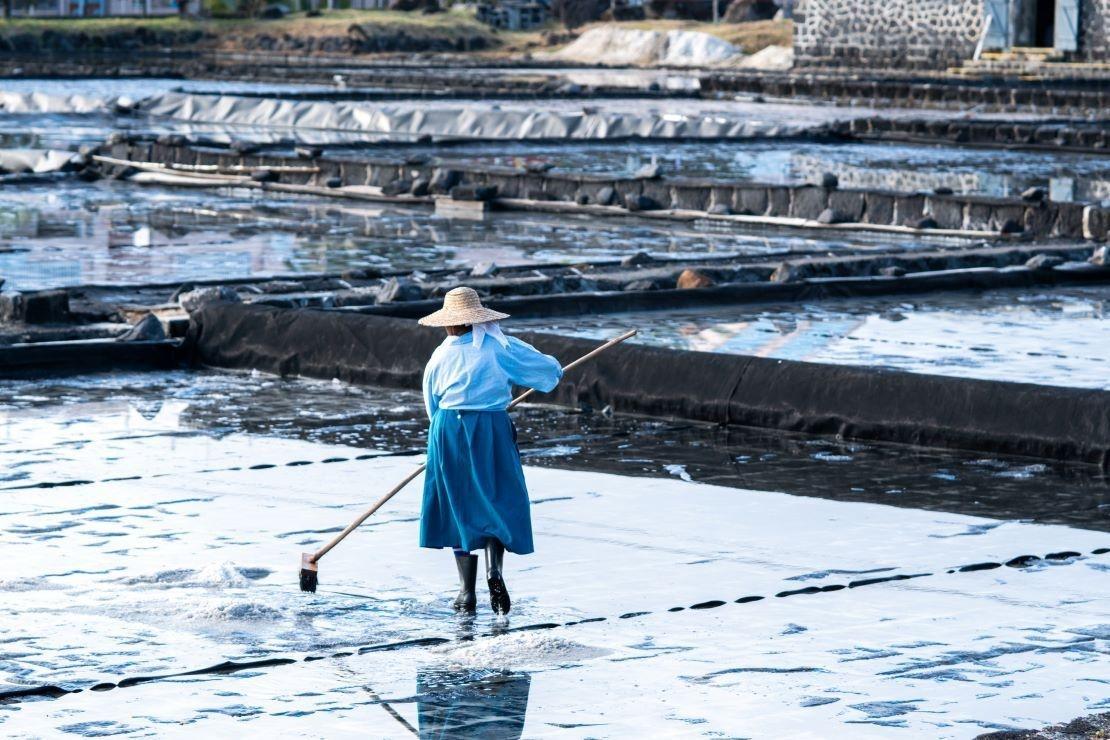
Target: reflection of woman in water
pixel 471 704
pixel 474 492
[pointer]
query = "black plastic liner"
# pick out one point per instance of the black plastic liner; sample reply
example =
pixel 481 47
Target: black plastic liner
pixel 41 359
pixel 1070 424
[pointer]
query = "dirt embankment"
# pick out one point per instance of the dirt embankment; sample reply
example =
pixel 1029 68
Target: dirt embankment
pixel 342 32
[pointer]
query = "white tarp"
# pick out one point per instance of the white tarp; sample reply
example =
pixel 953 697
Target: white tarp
pixel 681 119
pixel 33 160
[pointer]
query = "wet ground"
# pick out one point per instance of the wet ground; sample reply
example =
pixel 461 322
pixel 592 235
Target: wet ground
pixel 872 619
pixel 72 233
pixel 1047 337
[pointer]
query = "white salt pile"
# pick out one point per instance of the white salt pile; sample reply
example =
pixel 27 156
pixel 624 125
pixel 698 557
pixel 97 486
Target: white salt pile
pixel 770 59
pixel 520 650
pixel 615 46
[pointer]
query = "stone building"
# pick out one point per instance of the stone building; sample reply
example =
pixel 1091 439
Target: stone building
pixel 935 34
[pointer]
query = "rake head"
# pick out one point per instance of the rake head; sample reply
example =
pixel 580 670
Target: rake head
pixel 309 573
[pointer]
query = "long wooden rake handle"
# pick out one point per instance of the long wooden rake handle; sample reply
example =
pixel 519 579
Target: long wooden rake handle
pixel 409 478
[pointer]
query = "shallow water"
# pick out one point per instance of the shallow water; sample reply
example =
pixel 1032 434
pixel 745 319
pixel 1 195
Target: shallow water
pixel 70 233
pixel 872 166
pixel 152 569
pixel 1048 337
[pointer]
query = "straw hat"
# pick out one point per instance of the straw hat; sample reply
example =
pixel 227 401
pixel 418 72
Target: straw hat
pixel 462 306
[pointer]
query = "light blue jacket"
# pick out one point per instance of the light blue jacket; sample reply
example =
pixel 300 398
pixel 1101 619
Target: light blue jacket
pixel 461 375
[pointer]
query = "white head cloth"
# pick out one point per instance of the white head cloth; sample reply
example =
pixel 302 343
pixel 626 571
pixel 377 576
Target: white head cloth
pixel 491 328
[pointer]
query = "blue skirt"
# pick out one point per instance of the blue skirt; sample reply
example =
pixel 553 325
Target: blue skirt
pixel 474 486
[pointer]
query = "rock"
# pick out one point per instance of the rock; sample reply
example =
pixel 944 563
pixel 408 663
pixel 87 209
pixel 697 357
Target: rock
pixel 829 180
pixel 833 216
pixel 1012 226
pixel 720 209
pixel 892 271
pixel 538 166
pixel 308 152
pixel 399 186
pixel 334 182
pixel 399 289
pixel 786 272
pixel 606 196
pixel 690 279
pixel 484 269
pixel 1100 257
pixel 148 329
pixel 421 186
pixel 443 181
pixel 648 172
pixel 415 160
pixel 264 175
pixel 1033 195
pixel 582 199
pixel 943 190
pixel 635 285
pixel 194 300
pixel 275 11
pixel 640 258
pixel 642 203
pixel 926 223
pixel 474 192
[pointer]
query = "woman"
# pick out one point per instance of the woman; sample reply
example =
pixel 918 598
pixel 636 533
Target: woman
pixel 474 492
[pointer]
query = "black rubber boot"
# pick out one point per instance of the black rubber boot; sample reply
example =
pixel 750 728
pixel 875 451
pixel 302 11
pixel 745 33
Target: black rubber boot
pixel 467 599
pixel 498 592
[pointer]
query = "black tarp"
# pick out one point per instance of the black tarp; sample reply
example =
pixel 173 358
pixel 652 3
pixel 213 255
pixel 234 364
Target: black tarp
pixel 853 402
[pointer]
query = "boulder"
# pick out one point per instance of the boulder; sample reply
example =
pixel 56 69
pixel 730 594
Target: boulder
pixel 926 223
pixel 421 186
pixel 334 182
pixel 1100 257
pixel 264 175
pixel 829 180
pixel 943 190
pixel 606 196
pixel 1012 226
pixel 720 209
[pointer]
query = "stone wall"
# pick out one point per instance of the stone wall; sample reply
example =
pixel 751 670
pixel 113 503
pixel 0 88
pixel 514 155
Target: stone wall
pixel 1094 31
pixel 915 34
pixel 931 34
